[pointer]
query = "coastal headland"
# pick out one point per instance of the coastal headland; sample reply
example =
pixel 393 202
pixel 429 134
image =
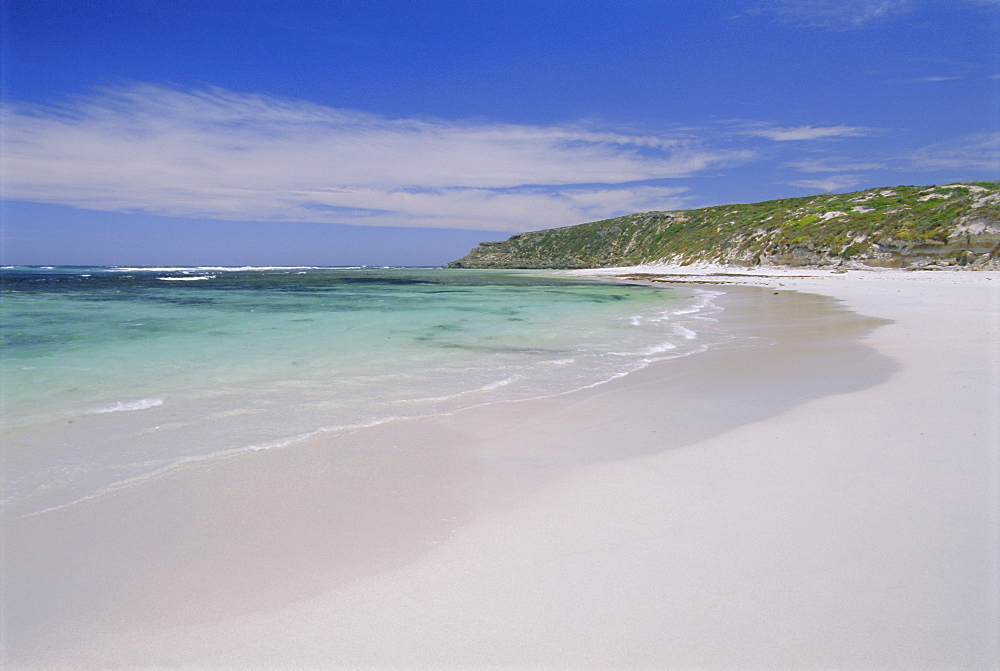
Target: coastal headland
pixel 939 226
pixel 823 495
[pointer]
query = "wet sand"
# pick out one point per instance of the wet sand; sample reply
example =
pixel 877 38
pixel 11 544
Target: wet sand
pixel 823 495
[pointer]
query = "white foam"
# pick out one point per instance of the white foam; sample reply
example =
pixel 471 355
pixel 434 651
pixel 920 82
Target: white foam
pixel 487 387
pixel 658 349
pixel 704 301
pixel 496 385
pixel 686 332
pixel 702 304
pixel 286 442
pixel 559 362
pixel 649 351
pixel 127 406
pixel 187 279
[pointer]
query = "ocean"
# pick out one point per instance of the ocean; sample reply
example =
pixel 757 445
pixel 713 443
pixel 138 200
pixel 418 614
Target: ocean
pixel 112 374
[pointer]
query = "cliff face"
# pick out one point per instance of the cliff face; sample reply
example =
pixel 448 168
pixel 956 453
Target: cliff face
pixel 899 227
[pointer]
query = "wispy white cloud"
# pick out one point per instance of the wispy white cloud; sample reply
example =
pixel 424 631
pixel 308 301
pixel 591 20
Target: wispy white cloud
pixel 215 153
pixel 798 133
pixel 935 79
pixel 853 14
pixel 832 183
pixel 936 70
pixel 979 152
pixel 965 157
pixel 835 14
pixel 834 165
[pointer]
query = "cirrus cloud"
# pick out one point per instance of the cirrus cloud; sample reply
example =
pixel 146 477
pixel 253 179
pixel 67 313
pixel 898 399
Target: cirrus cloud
pixel 214 153
pixel 977 152
pixel 854 14
pixel 828 184
pixel 834 165
pixel 835 14
pixel 799 133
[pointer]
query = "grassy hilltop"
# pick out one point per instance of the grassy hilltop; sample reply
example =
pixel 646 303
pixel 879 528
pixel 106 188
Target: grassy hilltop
pixel 903 226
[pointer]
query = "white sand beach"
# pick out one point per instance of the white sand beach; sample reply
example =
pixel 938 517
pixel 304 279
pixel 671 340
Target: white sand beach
pixel 826 497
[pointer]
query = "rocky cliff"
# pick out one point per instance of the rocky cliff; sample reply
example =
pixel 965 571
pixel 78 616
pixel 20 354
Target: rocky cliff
pixel 898 227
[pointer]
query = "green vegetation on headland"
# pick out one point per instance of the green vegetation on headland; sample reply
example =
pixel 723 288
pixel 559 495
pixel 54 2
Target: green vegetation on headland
pixel 897 227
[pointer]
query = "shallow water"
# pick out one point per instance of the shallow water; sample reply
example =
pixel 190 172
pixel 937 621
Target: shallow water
pixel 111 374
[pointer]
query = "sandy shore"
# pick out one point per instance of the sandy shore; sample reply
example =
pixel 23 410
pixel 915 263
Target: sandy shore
pixel 824 495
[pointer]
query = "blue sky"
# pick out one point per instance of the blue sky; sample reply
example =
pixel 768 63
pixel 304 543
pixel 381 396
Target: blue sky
pixel 337 132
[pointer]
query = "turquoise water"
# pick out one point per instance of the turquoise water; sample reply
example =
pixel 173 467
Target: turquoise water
pixel 111 374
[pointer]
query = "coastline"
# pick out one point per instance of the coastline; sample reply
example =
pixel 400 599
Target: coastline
pixel 827 497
